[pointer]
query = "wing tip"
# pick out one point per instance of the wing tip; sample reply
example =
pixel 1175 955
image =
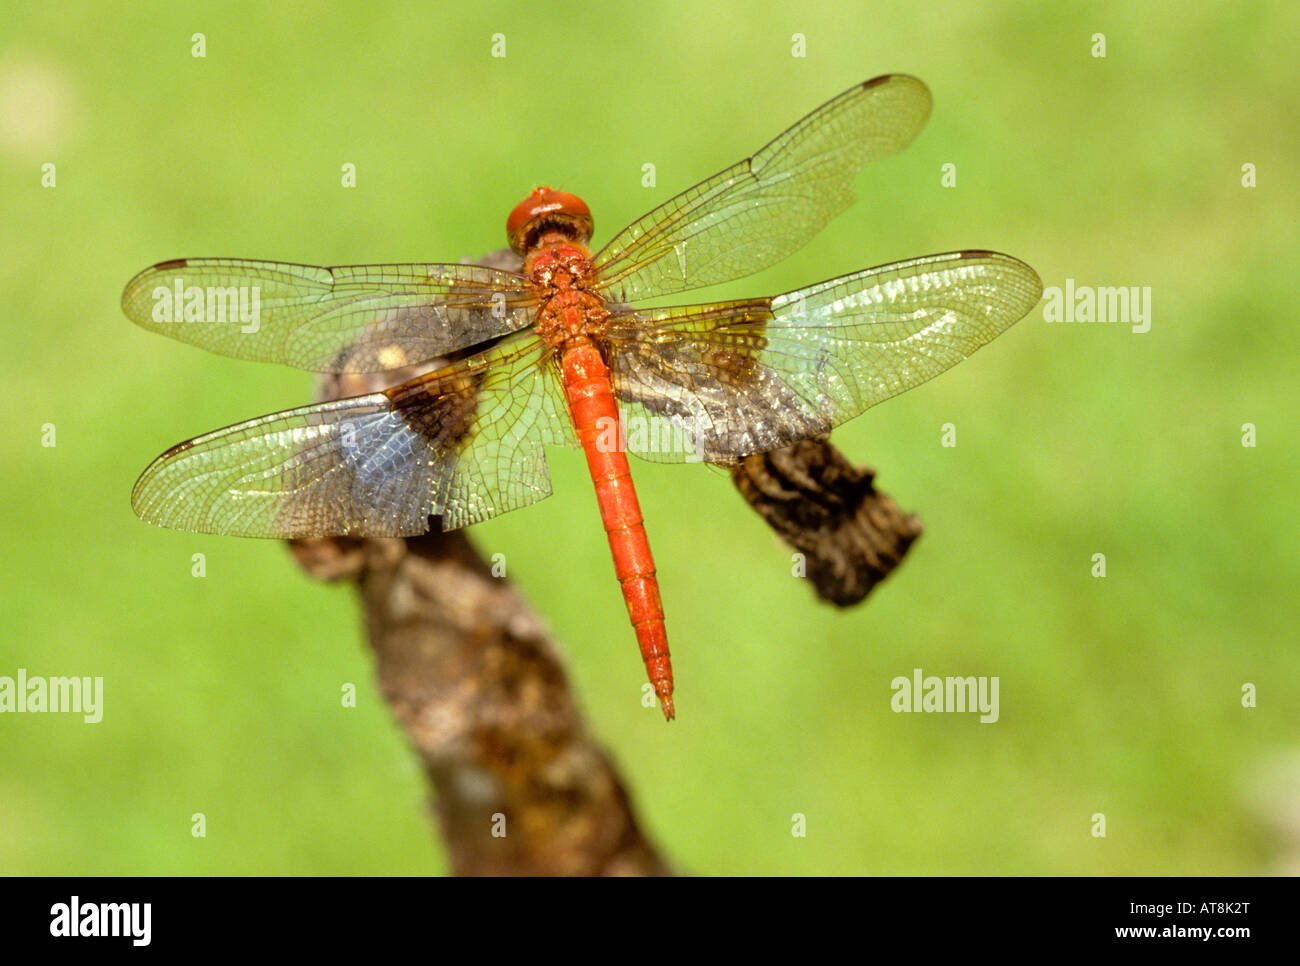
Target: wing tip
pixel 142 503
pixel 907 80
pixel 133 287
pixel 1025 269
pixel 893 78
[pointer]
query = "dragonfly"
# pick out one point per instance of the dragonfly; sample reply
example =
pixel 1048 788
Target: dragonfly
pixel 560 354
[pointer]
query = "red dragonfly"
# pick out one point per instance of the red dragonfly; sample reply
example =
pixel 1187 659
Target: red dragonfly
pixel 558 354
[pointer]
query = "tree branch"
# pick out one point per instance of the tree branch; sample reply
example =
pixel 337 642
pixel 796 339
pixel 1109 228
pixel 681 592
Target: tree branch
pixel 852 535
pixel 470 674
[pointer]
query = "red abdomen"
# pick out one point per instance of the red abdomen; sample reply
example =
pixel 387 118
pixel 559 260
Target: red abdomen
pixel 595 417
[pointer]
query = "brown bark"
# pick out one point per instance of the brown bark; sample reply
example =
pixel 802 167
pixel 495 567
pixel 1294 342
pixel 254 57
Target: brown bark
pixel 480 690
pixel 852 535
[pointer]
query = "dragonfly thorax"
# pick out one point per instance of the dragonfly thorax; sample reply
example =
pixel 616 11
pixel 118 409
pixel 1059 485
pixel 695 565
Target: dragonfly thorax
pixel 558 266
pixel 570 313
pixel 562 277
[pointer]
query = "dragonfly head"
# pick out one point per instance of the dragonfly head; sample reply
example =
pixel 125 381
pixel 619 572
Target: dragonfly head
pixel 544 212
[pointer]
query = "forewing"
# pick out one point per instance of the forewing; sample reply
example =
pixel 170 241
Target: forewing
pixel 747 377
pixel 465 442
pixel 757 212
pixel 384 316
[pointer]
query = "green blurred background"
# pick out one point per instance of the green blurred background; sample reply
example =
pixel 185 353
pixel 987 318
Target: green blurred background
pixel 1118 695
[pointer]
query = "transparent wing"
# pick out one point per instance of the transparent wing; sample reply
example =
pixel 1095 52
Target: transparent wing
pixel 757 212
pixel 385 316
pixel 465 442
pixel 745 377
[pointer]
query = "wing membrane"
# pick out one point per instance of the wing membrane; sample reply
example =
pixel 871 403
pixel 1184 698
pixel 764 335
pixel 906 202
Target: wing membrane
pixel 757 212
pixel 752 376
pixel 385 316
pixel 465 442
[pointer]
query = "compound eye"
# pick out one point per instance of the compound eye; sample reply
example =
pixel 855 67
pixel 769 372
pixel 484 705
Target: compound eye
pixel 547 204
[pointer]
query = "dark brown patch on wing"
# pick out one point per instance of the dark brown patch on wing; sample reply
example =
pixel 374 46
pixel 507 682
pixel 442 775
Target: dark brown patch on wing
pixel 737 368
pixel 734 353
pixel 440 409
